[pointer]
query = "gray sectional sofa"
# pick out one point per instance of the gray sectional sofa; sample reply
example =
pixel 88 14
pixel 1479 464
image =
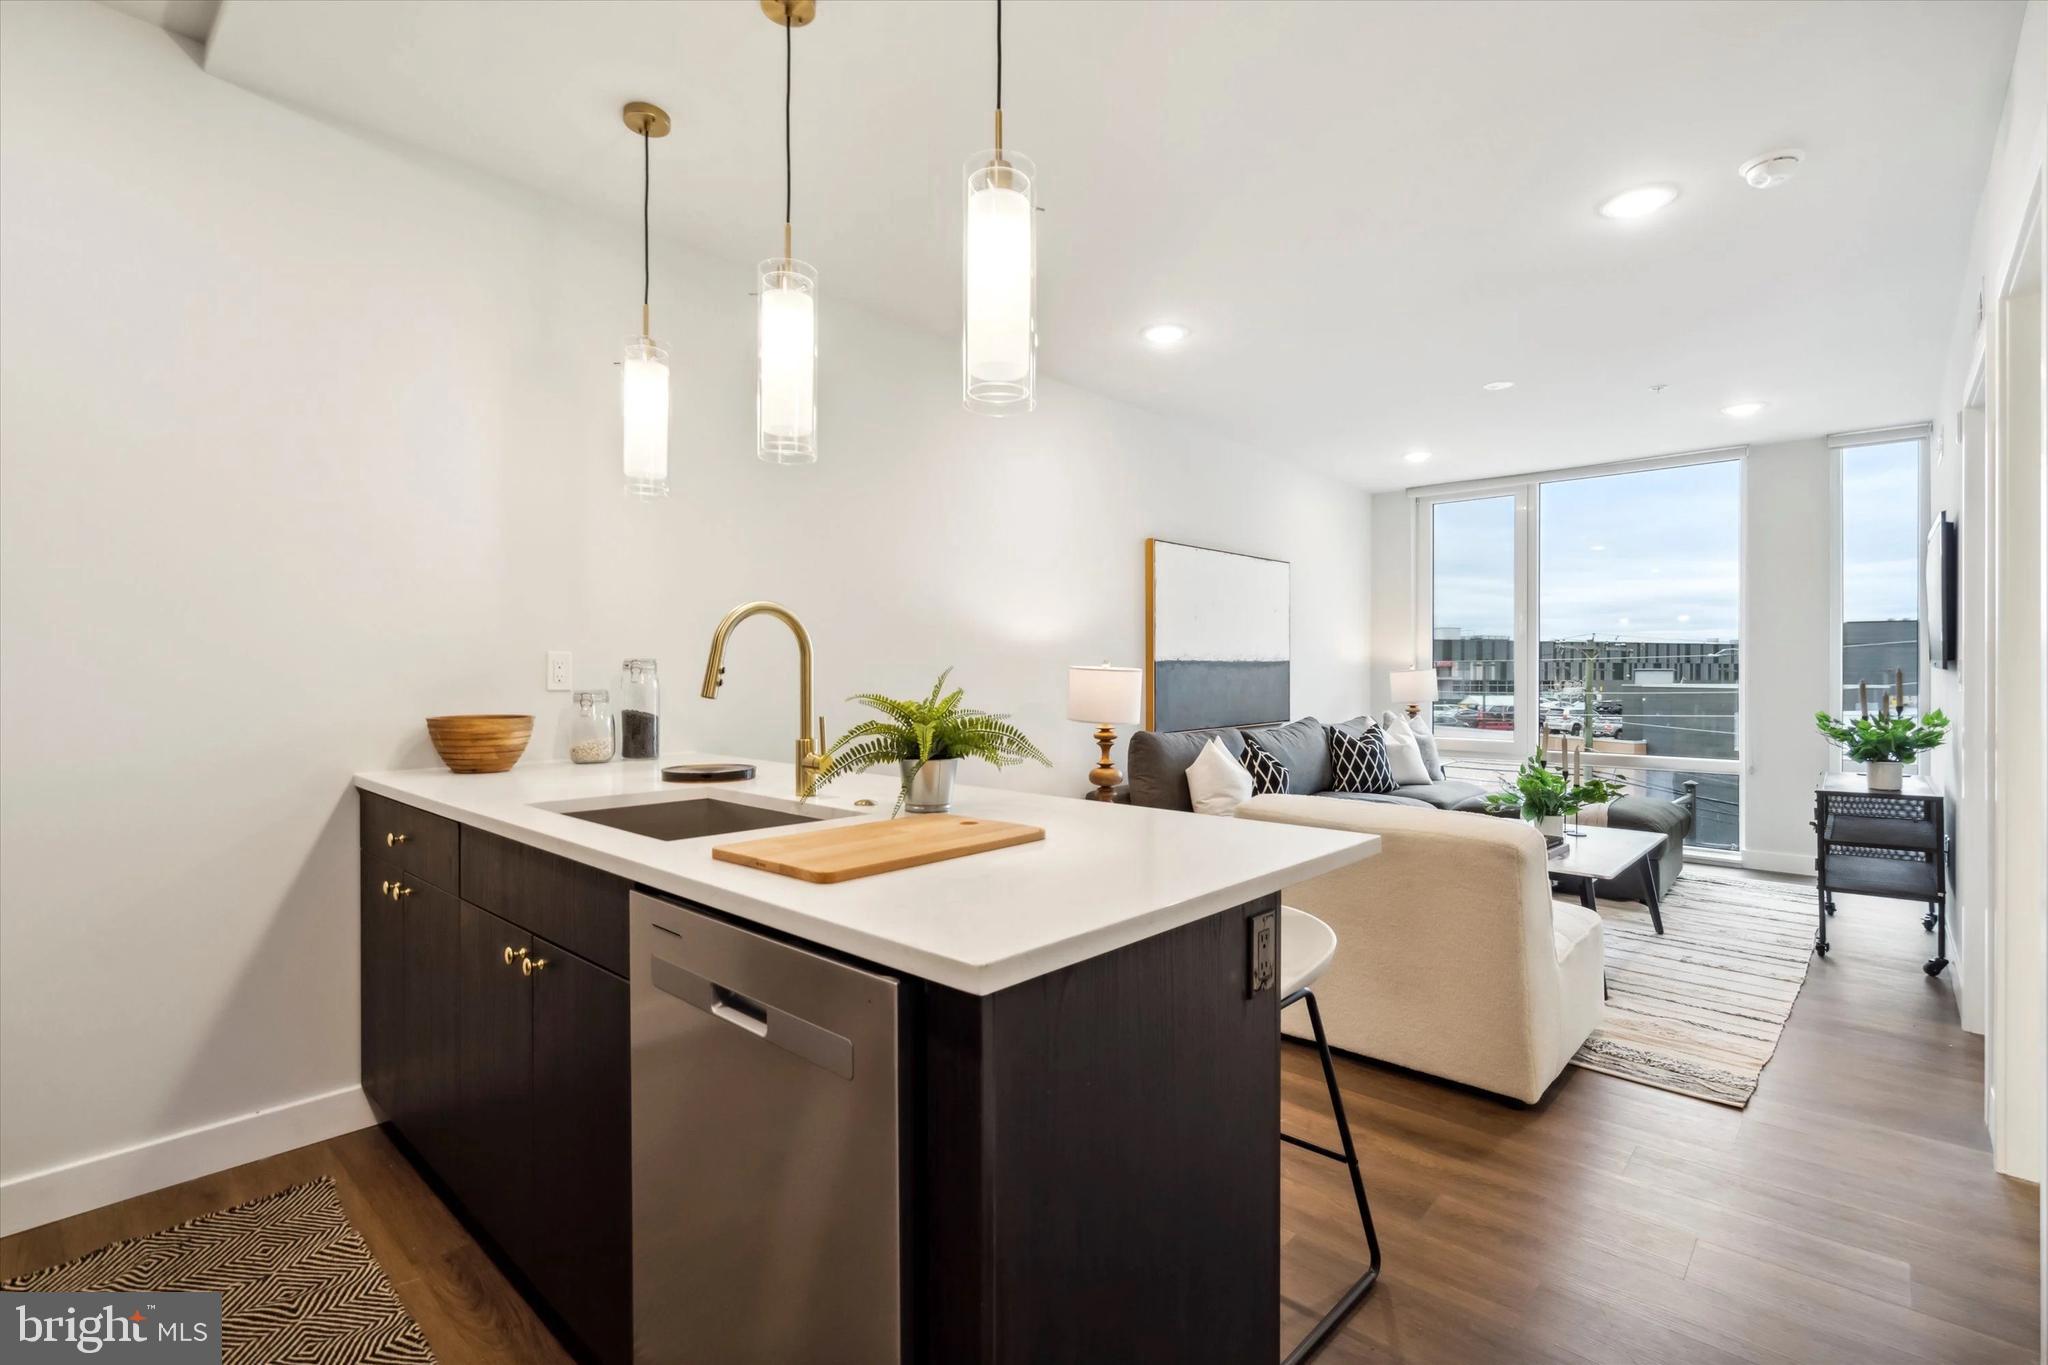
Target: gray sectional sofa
pixel 1158 763
pixel 1159 760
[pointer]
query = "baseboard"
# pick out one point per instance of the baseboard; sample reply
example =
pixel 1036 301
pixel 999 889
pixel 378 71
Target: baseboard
pixel 1797 864
pixel 37 1197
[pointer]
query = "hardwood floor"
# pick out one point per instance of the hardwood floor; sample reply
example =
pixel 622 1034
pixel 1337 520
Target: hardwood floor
pixel 1850 1213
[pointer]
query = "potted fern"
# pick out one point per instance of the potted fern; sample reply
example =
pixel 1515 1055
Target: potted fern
pixel 926 740
pixel 1546 795
pixel 1886 742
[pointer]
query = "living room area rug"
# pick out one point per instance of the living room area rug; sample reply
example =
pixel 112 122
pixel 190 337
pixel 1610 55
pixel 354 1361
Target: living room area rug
pixel 1699 1010
pixel 297 1283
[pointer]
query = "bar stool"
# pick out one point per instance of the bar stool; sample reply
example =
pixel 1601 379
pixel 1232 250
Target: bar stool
pixel 1306 947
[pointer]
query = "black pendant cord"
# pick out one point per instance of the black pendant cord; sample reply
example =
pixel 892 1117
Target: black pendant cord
pixel 999 56
pixel 646 194
pixel 788 79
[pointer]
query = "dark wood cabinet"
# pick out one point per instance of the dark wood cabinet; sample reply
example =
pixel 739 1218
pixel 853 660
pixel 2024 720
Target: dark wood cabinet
pixel 496 1062
pixel 501 1056
pixel 422 846
pixel 383 958
pixel 582 1139
pixel 430 1108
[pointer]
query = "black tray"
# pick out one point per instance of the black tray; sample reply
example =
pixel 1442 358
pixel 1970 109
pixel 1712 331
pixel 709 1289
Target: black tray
pixel 708 772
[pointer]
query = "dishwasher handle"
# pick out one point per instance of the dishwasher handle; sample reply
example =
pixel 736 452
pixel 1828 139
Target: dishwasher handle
pixel 799 1037
pixel 739 1011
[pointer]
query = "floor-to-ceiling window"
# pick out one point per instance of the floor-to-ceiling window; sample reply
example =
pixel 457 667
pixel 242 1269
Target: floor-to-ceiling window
pixel 1472 600
pixel 1632 647
pixel 1880 539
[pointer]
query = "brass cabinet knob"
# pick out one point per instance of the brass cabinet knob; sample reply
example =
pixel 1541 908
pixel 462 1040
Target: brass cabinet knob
pixel 387 889
pixel 513 955
pixel 399 891
pixel 529 965
pixel 393 840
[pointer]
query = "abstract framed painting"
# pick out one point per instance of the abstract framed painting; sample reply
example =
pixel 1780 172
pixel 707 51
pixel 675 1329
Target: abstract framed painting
pixel 1216 638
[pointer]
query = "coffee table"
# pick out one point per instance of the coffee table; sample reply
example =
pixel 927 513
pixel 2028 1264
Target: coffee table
pixel 1602 854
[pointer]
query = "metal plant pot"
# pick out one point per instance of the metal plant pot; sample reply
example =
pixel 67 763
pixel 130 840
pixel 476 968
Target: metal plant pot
pixel 1551 826
pixel 1883 776
pixel 928 790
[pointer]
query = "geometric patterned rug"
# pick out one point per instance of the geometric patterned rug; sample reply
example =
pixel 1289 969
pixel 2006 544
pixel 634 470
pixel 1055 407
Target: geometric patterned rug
pixel 1699 1010
pixel 295 1279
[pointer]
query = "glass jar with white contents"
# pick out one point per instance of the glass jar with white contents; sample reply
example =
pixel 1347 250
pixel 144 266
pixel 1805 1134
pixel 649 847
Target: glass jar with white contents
pixel 591 739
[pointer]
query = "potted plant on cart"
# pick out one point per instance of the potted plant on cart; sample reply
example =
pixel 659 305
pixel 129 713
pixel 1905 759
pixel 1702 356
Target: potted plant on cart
pixel 926 740
pixel 1545 795
pixel 1886 742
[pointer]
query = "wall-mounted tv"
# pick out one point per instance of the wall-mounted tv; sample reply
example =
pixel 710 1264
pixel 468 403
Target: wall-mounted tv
pixel 1941 592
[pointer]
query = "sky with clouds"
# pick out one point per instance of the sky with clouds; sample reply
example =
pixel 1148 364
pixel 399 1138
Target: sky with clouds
pixel 1655 554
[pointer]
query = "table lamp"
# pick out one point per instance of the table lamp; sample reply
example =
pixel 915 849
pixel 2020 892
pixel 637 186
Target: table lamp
pixel 1105 696
pixel 1413 688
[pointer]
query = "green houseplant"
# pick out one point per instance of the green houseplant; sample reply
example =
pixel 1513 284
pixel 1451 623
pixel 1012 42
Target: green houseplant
pixel 1546 795
pixel 926 740
pixel 1886 742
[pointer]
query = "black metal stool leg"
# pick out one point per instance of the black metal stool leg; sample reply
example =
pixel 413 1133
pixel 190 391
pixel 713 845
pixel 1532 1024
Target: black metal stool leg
pixel 1360 1287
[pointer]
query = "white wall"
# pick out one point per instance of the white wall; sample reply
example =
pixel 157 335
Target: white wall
pixel 1988 447
pixel 1788 666
pixel 302 440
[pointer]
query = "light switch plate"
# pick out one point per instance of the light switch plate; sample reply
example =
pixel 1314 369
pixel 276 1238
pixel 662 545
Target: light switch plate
pixel 561 668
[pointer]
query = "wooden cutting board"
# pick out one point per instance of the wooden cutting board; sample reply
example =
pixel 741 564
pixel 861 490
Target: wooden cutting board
pixel 844 853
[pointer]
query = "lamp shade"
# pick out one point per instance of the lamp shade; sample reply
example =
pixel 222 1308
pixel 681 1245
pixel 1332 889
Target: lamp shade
pixel 999 327
pixel 1413 686
pixel 1105 695
pixel 643 391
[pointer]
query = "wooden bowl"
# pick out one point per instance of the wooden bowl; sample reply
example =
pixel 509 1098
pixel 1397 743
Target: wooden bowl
pixel 479 744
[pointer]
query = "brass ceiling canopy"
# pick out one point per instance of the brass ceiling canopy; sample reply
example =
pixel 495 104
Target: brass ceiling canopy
pixel 649 120
pixel 794 13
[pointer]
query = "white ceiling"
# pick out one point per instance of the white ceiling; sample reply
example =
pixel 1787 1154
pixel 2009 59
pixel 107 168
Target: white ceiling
pixel 1364 211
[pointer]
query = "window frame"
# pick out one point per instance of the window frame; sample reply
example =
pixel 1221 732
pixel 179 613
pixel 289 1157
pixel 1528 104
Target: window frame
pixel 1526 490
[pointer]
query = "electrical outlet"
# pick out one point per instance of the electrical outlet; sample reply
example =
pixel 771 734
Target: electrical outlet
pixel 561 668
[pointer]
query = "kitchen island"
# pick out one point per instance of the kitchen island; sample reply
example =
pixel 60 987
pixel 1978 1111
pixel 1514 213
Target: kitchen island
pixel 1017 1106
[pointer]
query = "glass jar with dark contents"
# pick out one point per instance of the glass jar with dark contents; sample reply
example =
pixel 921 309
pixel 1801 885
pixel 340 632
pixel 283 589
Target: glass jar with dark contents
pixel 639 710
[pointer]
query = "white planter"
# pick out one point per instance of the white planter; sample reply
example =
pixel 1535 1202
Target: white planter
pixel 1881 776
pixel 1550 826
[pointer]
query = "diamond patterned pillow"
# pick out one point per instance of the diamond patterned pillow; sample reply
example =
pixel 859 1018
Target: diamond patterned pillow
pixel 1358 762
pixel 1269 774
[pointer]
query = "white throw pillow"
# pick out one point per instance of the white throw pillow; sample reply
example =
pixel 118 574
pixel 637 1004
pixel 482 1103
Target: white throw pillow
pixel 1217 782
pixel 1404 755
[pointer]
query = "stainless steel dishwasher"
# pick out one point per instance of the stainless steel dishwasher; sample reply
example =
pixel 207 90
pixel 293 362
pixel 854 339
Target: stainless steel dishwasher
pixel 766 1167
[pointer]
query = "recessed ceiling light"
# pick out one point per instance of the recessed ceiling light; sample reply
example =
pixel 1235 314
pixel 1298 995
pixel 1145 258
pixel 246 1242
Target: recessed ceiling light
pixel 1638 202
pixel 1771 169
pixel 1742 409
pixel 1596 548
pixel 1165 334
pixel 1497 385
pixel 1416 456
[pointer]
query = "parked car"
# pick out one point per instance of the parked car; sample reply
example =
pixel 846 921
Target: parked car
pixel 1571 720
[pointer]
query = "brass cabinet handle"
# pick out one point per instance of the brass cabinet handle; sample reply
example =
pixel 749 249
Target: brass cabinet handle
pixel 393 840
pixel 386 891
pixel 513 954
pixel 399 891
pixel 529 965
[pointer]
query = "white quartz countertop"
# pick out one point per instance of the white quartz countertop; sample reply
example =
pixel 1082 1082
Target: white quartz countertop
pixel 1104 875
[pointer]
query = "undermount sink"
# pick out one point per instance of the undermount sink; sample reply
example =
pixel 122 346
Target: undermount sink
pixel 690 819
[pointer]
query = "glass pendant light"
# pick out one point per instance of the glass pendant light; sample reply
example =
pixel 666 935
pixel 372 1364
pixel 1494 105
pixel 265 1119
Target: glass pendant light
pixel 786 378
pixel 999 275
pixel 643 374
